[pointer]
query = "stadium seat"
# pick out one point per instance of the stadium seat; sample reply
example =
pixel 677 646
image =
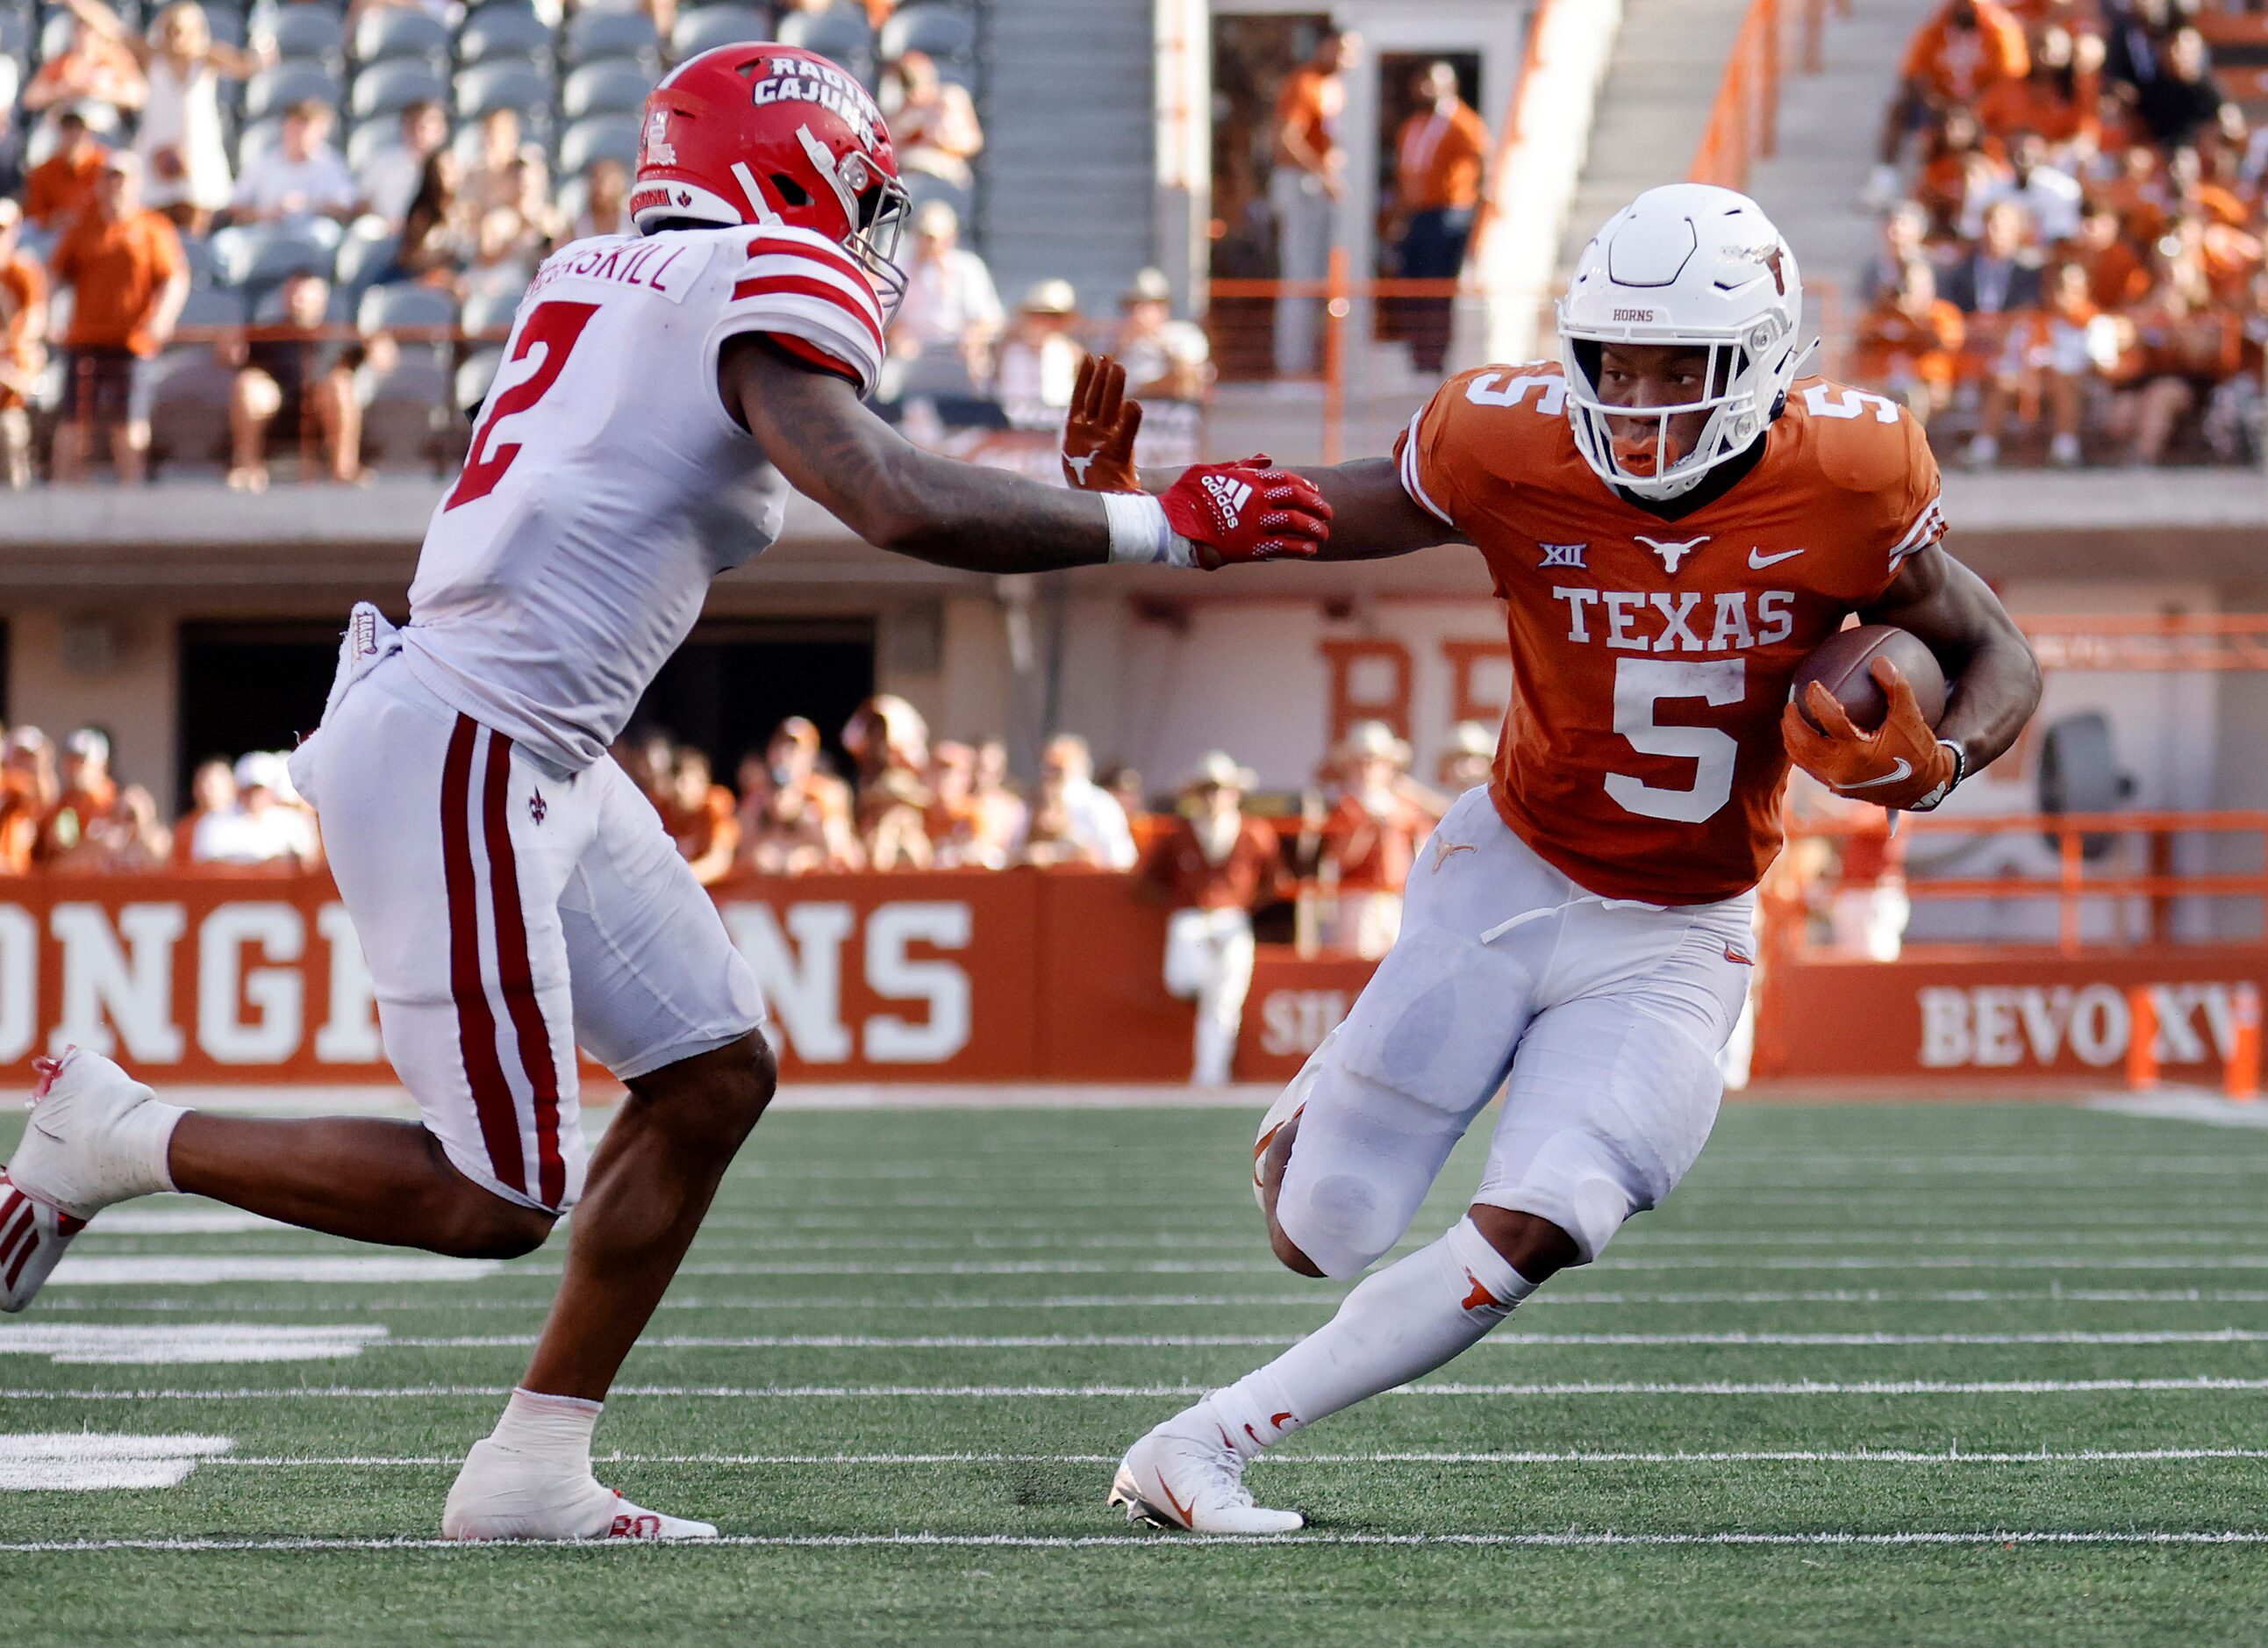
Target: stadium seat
pixel 387 88
pixel 602 136
pixel 502 82
pixel 255 255
pixel 15 34
pixel 368 137
pixel 256 139
pixel 502 29
pixel 210 306
pixel 54 35
pixel 921 188
pixel 489 312
pixel 594 36
pixel 946 33
pixel 226 26
pixel 405 410
pixel 841 32
pixel 196 252
pixel 400 32
pixel 268 310
pixel 394 307
pixel 272 90
pixel 188 407
pixel 474 378
pixel 364 253
pixel 305 34
pixel 613 87
pixel 716 26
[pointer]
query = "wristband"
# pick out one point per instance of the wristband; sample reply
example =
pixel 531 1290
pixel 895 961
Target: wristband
pixel 1140 534
pixel 1932 801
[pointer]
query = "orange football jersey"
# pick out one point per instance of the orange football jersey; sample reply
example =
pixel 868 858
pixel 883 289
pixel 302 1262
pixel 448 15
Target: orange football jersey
pixel 1651 659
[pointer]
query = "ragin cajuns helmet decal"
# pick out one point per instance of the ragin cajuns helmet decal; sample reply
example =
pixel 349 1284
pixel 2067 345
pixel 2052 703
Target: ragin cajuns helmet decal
pixel 757 133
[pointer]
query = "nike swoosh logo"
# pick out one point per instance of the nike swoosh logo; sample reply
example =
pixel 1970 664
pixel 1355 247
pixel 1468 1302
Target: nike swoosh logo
pixel 1182 1511
pixel 1905 771
pixel 1759 560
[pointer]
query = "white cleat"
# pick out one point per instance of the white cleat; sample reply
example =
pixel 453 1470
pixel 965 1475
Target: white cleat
pixel 1184 1475
pixel 95 1136
pixel 33 1236
pixel 502 1494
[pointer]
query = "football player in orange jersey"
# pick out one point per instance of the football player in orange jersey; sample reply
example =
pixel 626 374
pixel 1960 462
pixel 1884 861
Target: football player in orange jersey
pixel 1673 522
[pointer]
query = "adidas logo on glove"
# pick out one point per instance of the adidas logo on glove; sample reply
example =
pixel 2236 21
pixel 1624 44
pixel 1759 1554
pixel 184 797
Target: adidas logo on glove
pixel 1230 495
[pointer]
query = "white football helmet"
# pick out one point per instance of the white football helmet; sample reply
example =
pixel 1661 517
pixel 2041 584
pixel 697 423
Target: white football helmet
pixel 1694 265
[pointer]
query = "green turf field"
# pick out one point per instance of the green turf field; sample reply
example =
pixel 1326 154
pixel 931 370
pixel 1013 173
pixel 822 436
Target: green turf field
pixel 1878 1374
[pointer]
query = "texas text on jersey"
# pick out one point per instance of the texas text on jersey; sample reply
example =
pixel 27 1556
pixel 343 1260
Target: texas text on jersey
pixel 1650 657
pixel 607 485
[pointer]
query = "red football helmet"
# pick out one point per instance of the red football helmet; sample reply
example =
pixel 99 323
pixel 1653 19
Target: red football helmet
pixel 759 133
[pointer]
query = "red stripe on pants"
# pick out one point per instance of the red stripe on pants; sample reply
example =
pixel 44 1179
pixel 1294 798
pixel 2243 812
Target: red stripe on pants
pixel 477 1025
pixel 516 978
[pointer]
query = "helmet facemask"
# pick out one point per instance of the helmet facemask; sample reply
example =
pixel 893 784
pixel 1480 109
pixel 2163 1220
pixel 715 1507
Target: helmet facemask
pixel 878 209
pixel 1744 380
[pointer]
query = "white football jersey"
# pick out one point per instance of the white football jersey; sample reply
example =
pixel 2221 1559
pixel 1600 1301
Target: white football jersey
pixel 607 485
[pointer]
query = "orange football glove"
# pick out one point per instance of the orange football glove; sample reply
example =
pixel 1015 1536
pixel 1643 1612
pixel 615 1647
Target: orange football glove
pixel 1901 765
pixel 1098 443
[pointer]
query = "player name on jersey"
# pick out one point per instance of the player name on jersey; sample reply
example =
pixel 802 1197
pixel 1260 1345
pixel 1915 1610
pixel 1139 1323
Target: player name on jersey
pixel 669 265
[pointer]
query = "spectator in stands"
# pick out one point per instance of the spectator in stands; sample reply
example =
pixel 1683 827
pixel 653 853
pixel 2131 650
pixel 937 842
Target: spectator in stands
pixel 2181 350
pixel 1909 345
pixel 91 69
pixel 510 173
pixel 2116 275
pixel 291 372
pixel 302 178
pixel 1039 361
pixel 28 790
pixel 1091 818
pixel 952 819
pixel 391 177
pixel 2061 97
pixel 1905 236
pixel 606 194
pixel 934 126
pixel 436 232
pixel 1051 833
pixel 1959 161
pixel 212 795
pixel 125 839
pixel 951 308
pixel 698 813
pixel 1305 188
pixel 1000 815
pixel 88 790
pixel 269 826
pixel 794 818
pixel 1965 49
pixel 1371 837
pixel 2135 35
pixel 1995 277
pixel 128 280
pixel 500 266
pixel 2051 355
pixel 23 346
pixel 1469 761
pixel 1211 869
pixel 12 149
pixel 1165 358
pixel 888 739
pixel 184 151
pixel 64 185
pixel 2049 195
pixel 1439 159
pixel 2179 101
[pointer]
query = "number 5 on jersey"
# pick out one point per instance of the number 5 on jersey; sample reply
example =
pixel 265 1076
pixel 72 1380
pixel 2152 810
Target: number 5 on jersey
pixel 554 328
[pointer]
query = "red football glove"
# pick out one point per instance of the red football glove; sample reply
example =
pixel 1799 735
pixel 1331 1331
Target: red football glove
pixel 1247 512
pixel 1900 764
pixel 1098 443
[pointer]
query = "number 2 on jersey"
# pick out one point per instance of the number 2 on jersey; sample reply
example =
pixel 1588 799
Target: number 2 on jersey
pixel 555 327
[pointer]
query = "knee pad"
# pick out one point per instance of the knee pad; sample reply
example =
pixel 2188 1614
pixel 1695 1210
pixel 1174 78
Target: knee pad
pixel 1574 1179
pixel 1438 1022
pixel 1365 1158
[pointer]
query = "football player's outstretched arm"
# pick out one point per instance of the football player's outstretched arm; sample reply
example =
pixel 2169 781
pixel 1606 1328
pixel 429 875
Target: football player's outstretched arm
pixel 814 429
pixel 1372 515
pixel 1992 679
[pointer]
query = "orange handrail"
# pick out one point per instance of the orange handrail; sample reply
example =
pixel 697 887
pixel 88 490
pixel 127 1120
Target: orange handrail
pixel 1744 120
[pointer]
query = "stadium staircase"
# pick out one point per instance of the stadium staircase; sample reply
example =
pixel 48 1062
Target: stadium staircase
pixel 1070 140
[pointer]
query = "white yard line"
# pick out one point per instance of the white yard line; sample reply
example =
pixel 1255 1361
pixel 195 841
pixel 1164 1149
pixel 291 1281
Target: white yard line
pixel 2210 1109
pixel 1275 1460
pixel 2193 1384
pixel 1190 1342
pixel 1152 1542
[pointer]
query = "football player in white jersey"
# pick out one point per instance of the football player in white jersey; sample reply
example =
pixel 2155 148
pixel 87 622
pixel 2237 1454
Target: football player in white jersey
pixel 514 895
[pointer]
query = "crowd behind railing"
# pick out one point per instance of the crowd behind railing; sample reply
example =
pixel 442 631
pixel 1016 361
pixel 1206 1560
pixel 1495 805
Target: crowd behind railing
pixel 2071 268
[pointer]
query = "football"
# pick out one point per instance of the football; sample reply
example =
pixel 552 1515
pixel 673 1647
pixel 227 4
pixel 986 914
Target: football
pixel 1842 663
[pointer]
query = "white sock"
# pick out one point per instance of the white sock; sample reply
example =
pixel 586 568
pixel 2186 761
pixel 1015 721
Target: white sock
pixel 553 1428
pixel 148 1133
pixel 1402 1321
